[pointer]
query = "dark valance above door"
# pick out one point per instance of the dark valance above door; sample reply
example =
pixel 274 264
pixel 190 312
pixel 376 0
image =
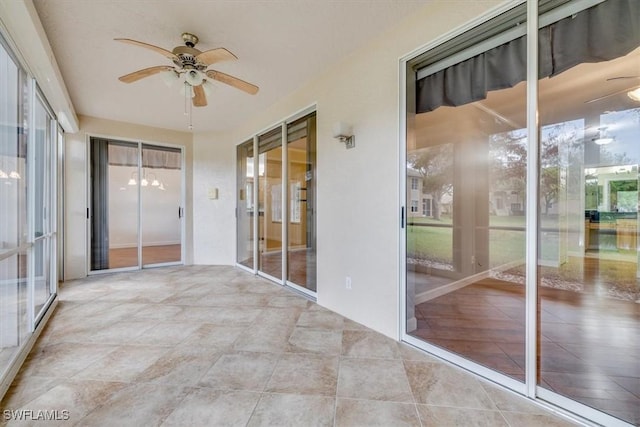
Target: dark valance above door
pixel 603 32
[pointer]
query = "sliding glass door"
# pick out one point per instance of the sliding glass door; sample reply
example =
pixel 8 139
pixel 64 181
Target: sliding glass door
pixel 160 190
pixel 245 205
pixel 136 205
pixel 521 233
pixel 301 235
pixel 270 203
pixel 28 157
pixel 276 203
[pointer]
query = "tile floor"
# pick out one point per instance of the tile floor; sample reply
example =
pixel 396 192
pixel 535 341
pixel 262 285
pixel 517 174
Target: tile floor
pixel 202 345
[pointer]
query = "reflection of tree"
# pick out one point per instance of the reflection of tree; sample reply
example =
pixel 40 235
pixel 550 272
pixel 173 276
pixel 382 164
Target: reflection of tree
pixel 509 160
pixel 435 165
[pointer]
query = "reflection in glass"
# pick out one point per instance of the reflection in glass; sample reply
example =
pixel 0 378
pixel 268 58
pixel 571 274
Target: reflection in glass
pixel 161 212
pixel 466 230
pixel 588 286
pixel 270 203
pixel 114 204
pixel 244 205
pixel 301 253
pixel 43 144
pixel 14 324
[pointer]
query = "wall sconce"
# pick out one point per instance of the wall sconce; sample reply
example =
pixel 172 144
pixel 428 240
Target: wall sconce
pixel 343 133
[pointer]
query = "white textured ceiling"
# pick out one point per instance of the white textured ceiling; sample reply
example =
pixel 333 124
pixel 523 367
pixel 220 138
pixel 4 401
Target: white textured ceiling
pixel 280 44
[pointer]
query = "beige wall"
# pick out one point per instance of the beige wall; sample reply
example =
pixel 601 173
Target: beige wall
pixel 76 182
pixel 358 189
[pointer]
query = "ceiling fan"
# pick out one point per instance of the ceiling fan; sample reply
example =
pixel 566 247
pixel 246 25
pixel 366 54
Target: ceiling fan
pixel 632 92
pixel 190 65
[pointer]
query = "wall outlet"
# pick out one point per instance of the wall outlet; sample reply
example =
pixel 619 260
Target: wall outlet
pixel 347 282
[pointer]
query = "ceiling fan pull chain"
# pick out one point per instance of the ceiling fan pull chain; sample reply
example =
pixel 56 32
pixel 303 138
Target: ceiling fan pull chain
pixel 186 97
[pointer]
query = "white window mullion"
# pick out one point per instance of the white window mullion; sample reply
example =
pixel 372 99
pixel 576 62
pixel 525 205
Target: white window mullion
pixel 284 202
pixel 31 198
pixel 256 202
pixel 532 200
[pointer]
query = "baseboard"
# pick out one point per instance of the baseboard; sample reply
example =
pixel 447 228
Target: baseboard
pixel 459 284
pixel 145 244
pixel 450 287
pixel 412 324
pixel 22 354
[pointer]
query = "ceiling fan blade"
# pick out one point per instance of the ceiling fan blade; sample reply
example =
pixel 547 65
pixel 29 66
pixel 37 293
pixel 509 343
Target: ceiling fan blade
pixel 623 78
pixel 145 72
pixel 233 81
pixel 161 51
pixel 200 98
pixel 600 98
pixel 212 56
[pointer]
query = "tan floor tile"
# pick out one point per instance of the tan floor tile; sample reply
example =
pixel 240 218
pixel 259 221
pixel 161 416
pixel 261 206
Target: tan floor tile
pixel 305 340
pixel 305 374
pixel 369 344
pixel 76 398
pixel 64 360
pixel 240 371
pixel 214 408
pixel 136 405
pixel 180 366
pixel 536 420
pixel 122 364
pixel 373 379
pixel 350 412
pixel 281 410
pixel 436 416
pixel 216 336
pixel 438 384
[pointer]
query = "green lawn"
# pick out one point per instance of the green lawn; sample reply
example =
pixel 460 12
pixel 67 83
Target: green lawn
pixel 436 243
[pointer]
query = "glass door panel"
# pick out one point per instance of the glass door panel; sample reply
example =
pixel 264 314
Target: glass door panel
pixel 589 291
pixel 465 202
pixel 270 203
pixel 301 249
pixel 244 205
pixel 114 204
pixel 42 181
pixel 161 210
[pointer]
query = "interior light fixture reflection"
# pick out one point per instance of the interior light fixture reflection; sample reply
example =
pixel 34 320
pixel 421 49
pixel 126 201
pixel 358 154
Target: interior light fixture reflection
pixel 3 174
pixel 14 175
pixel 603 141
pixel 634 94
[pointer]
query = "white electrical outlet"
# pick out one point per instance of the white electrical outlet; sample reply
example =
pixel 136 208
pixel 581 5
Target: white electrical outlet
pixel 347 282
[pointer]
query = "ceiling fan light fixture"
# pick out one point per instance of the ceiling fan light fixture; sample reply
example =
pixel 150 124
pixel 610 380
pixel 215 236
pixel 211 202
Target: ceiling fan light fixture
pixel 603 141
pixel 208 87
pixel 187 90
pixel 170 77
pixel 194 77
pixel 634 94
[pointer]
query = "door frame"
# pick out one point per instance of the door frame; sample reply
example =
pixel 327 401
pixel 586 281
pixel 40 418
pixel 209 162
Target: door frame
pixel 139 143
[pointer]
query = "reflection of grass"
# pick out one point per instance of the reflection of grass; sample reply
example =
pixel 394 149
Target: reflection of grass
pixel 430 243
pixel 505 246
